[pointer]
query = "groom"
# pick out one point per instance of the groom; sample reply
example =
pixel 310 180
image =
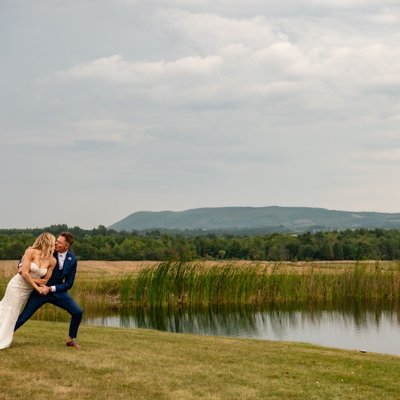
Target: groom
pixel 56 290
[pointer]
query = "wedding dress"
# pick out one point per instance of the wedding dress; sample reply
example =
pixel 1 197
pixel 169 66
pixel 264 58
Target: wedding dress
pixel 16 295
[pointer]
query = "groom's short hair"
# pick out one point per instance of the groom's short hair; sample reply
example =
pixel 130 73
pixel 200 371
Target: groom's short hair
pixel 69 237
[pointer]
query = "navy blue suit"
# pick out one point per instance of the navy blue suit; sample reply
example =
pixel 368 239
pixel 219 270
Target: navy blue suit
pixel 62 279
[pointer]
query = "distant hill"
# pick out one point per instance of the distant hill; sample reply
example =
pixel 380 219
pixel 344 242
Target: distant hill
pixel 268 219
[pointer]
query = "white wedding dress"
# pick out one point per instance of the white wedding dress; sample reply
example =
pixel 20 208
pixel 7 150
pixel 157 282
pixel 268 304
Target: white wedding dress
pixel 15 297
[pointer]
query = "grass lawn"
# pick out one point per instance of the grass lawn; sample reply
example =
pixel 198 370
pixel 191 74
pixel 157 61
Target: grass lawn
pixel 141 364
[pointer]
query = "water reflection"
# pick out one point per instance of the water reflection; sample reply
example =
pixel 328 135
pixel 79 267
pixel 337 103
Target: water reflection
pixel 358 328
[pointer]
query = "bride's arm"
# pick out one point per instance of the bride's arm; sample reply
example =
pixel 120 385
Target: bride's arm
pixel 26 265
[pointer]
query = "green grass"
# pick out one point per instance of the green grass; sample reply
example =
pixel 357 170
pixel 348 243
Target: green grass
pixel 139 364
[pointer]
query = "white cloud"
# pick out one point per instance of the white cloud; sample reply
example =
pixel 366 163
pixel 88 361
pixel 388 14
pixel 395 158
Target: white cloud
pixel 353 4
pixel 385 17
pixel 323 76
pixel 210 32
pixel 288 7
pixel 386 156
pixel 219 97
pixel 107 131
pixel 118 70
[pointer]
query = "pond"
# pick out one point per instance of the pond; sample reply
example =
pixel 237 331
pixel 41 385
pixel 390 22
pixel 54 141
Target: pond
pixel 366 330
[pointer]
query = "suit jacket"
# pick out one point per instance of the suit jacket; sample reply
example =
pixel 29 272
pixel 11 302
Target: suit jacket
pixel 63 279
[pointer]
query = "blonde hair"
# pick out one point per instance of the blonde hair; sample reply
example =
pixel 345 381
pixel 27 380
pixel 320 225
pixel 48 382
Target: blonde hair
pixel 45 242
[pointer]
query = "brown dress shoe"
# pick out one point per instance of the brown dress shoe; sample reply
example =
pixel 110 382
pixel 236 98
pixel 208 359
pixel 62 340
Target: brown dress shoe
pixel 72 343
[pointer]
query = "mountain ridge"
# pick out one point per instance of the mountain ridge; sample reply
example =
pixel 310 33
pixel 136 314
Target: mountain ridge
pixel 269 218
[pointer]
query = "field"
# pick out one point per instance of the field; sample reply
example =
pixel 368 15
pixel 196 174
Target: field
pixel 204 283
pixel 88 268
pixel 122 363
pixel 111 268
pixel 143 364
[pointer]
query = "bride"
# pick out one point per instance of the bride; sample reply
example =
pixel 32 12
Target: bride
pixel 37 266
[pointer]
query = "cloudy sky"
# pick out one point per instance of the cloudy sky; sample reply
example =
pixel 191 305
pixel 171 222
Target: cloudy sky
pixel 112 107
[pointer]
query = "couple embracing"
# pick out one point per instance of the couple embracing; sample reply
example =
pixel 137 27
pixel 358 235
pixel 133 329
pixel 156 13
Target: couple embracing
pixel 46 273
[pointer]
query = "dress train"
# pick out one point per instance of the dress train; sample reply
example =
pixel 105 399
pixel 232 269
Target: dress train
pixel 15 297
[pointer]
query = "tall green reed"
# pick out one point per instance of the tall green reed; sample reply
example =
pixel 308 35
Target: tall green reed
pixel 177 284
pixel 188 284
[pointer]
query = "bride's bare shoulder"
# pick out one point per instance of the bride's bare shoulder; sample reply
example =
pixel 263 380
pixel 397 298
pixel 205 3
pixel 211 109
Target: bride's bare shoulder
pixel 31 251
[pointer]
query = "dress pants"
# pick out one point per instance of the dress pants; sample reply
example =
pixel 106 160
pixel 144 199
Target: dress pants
pixel 63 300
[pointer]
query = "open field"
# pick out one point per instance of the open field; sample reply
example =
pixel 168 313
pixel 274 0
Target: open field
pixel 89 268
pixel 109 268
pixel 116 363
pixel 140 364
pixel 204 283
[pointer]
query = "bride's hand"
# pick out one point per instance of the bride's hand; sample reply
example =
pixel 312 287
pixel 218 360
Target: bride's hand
pixel 45 290
pixel 42 290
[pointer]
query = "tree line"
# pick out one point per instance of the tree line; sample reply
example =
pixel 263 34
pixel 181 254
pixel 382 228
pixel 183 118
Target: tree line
pixel 106 244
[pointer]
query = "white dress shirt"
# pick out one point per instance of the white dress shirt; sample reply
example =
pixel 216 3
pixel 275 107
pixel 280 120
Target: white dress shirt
pixel 61 259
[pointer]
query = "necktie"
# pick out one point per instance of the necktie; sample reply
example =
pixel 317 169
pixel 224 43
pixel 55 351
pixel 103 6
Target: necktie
pixel 60 261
